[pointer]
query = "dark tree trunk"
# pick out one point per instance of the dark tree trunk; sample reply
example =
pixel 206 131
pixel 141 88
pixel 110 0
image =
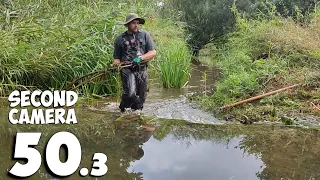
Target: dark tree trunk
pixel 195 54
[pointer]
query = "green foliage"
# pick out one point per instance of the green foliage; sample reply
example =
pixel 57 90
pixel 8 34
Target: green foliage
pixel 238 85
pixel 211 20
pixel 287 121
pixel 174 64
pixel 205 19
pixel 45 44
pixel 264 53
pixel 297 9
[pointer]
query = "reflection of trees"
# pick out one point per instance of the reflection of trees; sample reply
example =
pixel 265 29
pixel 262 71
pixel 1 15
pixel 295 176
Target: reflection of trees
pixel 122 147
pixel 113 139
pixel 287 153
pixel 96 134
pixel 118 159
pixel 184 131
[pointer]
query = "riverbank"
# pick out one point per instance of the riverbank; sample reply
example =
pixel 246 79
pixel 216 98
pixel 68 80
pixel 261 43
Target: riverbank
pixel 261 57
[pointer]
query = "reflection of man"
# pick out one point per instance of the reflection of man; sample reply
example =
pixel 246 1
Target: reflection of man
pixel 136 152
pixel 134 136
pixel 133 46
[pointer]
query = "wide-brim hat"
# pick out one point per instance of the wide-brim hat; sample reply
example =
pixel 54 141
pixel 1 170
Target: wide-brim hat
pixel 132 16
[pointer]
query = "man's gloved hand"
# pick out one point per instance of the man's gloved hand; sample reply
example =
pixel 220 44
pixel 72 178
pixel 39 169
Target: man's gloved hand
pixel 137 59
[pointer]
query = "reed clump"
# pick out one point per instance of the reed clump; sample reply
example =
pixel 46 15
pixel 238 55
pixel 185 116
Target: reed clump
pixel 174 64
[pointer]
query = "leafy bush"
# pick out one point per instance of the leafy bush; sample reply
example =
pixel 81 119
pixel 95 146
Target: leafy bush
pixel 211 20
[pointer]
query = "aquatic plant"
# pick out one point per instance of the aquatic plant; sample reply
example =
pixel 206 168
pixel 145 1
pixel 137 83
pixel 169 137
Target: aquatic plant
pixel 174 64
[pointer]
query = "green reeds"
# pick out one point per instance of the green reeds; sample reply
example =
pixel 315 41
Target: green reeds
pixel 45 44
pixel 174 64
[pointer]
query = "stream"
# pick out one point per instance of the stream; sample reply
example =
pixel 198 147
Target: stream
pixel 157 146
pixel 173 103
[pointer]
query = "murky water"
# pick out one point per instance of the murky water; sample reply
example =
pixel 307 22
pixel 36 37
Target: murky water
pixel 152 148
pixel 196 84
pixel 172 103
pixel 176 149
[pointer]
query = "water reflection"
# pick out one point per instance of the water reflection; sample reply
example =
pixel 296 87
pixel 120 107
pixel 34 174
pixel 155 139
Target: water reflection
pixel 178 150
pixel 197 83
pixel 287 153
pixel 202 159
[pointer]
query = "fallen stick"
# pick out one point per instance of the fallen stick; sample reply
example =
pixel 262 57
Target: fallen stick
pixel 316 107
pixel 94 73
pixel 259 97
pixel 100 72
pixel 86 81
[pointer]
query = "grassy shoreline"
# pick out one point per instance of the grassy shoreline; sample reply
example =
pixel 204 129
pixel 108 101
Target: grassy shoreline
pixel 263 56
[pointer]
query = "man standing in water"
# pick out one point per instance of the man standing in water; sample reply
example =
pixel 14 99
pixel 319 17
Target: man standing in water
pixel 133 46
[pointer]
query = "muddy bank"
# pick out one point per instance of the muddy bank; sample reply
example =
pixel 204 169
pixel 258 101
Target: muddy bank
pixel 286 108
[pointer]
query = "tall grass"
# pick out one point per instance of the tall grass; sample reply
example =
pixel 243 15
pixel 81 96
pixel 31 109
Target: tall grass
pixel 174 64
pixel 45 44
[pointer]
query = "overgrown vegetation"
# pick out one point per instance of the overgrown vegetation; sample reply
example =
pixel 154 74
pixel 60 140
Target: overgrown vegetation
pixel 45 44
pixel 211 20
pixel 267 54
pixel 174 64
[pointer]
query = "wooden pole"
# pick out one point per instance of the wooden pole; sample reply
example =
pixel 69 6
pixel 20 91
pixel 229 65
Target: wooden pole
pixel 259 97
pixel 94 73
pixel 124 65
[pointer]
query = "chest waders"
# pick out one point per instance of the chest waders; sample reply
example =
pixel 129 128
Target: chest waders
pixel 134 80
